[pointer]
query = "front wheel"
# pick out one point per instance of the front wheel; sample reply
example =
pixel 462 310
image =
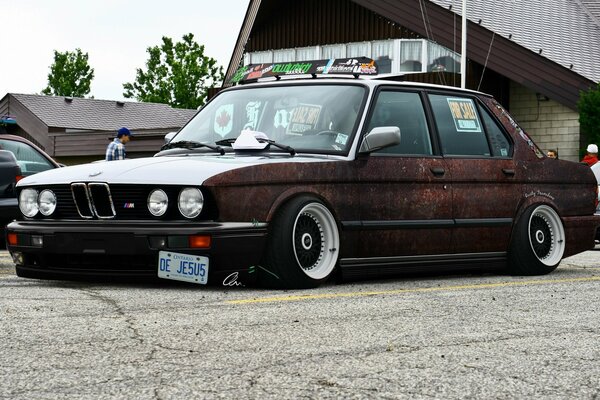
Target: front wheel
pixel 303 247
pixel 538 242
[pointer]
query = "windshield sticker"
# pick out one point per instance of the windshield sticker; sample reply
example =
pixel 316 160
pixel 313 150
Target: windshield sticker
pixel 464 115
pixel 224 119
pixel 304 118
pixel 341 139
pixel 252 111
pixel 281 119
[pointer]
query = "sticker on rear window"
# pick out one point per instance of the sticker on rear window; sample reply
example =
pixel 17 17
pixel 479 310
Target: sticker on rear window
pixel 464 115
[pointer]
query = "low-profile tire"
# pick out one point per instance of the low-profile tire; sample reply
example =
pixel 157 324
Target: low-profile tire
pixel 303 247
pixel 538 242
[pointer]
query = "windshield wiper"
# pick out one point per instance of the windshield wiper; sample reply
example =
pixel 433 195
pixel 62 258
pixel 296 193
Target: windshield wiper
pixel 281 146
pixel 230 141
pixel 188 144
pixel 226 142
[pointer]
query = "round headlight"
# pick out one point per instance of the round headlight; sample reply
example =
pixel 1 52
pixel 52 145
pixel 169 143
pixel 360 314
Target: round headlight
pixel 157 202
pixel 190 202
pixel 47 202
pixel 28 202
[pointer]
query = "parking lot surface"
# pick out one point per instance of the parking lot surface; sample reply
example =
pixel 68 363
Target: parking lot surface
pixel 448 336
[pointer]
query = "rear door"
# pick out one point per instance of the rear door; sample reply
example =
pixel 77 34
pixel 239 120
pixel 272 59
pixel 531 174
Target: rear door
pixel 485 178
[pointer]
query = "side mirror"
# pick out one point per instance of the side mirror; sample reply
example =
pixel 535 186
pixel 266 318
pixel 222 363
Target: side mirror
pixel 7 157
pixel 379 138
pixel 169 136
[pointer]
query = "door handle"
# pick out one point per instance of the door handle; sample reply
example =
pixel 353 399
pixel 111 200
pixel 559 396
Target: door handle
pixel 509 172
pixel 438 171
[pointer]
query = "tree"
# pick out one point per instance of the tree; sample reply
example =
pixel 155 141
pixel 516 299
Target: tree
pixel 589 114
pixel 70 75
pixel 177 74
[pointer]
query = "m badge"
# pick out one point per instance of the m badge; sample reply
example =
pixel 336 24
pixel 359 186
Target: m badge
pixel 129 205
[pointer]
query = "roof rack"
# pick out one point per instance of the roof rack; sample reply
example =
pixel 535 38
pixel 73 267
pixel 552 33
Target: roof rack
pixel 339 66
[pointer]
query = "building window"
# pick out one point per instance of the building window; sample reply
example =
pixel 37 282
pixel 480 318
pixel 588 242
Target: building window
pixel 261 57
pixel 394 55
pixel 333 51
pixel 284 55
pixel 411 56
pixel 381 52
pixel 358 49
pixel 442 59
pixel 305 54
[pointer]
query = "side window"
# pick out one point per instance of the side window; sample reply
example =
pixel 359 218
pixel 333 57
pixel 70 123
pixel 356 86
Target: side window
pixel 404 110
pixel 460 129
pixel 499 143
pixel 28 158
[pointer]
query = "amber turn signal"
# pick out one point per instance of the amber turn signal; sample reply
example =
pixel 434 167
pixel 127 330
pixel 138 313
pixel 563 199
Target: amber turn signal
pixel 199 241
pixel 12 239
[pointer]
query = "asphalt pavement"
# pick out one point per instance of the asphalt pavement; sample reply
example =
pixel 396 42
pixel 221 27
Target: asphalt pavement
pixel 445 337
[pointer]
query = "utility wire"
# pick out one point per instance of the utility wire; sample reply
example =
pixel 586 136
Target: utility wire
pixel 430 37
pixel 486 60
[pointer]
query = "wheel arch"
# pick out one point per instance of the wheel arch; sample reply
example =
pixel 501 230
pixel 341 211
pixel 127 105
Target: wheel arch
pixel 526 204
pixel 292 193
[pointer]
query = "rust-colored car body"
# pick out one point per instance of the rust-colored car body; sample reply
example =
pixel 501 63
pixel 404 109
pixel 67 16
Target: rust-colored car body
pixel 394 214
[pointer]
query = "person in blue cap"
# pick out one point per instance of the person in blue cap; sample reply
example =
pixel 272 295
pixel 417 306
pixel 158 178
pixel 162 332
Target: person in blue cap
pixel 116 148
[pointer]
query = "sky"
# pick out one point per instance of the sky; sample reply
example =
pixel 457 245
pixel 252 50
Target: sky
pixel 114 33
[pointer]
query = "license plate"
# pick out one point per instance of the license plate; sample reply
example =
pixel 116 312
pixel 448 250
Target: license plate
pixel 183 267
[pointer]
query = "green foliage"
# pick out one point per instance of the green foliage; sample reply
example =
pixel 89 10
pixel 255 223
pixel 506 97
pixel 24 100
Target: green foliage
pixel 177 74
pixel 589 114
pixel 70 75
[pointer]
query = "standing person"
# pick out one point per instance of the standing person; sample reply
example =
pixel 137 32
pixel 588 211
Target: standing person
pixel 552 153
pixel 591 157
pixel 116 148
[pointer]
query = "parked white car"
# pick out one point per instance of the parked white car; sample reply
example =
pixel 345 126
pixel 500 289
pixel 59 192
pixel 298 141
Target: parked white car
pixel 596 170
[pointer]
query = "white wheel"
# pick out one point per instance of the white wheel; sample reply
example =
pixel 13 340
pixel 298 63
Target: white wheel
pixel 538 242
pixel 316 241
pixel 546 235
pixel 304 245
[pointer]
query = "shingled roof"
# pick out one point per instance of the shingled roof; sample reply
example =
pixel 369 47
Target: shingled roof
pixel 102 115
pixel 564 31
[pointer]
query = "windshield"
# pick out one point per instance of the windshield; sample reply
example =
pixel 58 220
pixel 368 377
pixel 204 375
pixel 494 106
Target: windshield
pixel 318 118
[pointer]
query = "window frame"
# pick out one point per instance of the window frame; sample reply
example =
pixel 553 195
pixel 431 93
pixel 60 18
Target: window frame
pixel 480 107
pixel 427 117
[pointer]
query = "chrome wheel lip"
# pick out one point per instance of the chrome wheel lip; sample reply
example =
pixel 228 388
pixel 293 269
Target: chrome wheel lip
pixel 556 236
pixel 330 241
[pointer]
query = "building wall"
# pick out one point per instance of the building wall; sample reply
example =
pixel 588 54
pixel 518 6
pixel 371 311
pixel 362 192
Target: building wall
pixel 82 147
pixel 302 23
pixel 550 124
pixel 28 125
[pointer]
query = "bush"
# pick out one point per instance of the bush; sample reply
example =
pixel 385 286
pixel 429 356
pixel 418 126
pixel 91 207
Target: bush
pixel 589 114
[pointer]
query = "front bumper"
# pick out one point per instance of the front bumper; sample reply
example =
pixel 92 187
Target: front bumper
pixel 101 249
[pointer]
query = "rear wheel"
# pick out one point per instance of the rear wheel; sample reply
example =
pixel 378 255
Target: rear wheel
pixel 303 246
pixel 538 242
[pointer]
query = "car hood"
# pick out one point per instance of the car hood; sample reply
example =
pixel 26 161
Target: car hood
pixel 184 170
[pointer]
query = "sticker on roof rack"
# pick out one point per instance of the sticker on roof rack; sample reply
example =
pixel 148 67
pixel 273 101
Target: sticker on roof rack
pixel 344 66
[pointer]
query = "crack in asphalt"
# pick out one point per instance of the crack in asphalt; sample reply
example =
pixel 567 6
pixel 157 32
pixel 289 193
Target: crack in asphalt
pixel 135 334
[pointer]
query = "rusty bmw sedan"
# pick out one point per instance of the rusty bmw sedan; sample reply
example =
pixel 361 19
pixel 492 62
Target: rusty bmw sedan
pixel 292 180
